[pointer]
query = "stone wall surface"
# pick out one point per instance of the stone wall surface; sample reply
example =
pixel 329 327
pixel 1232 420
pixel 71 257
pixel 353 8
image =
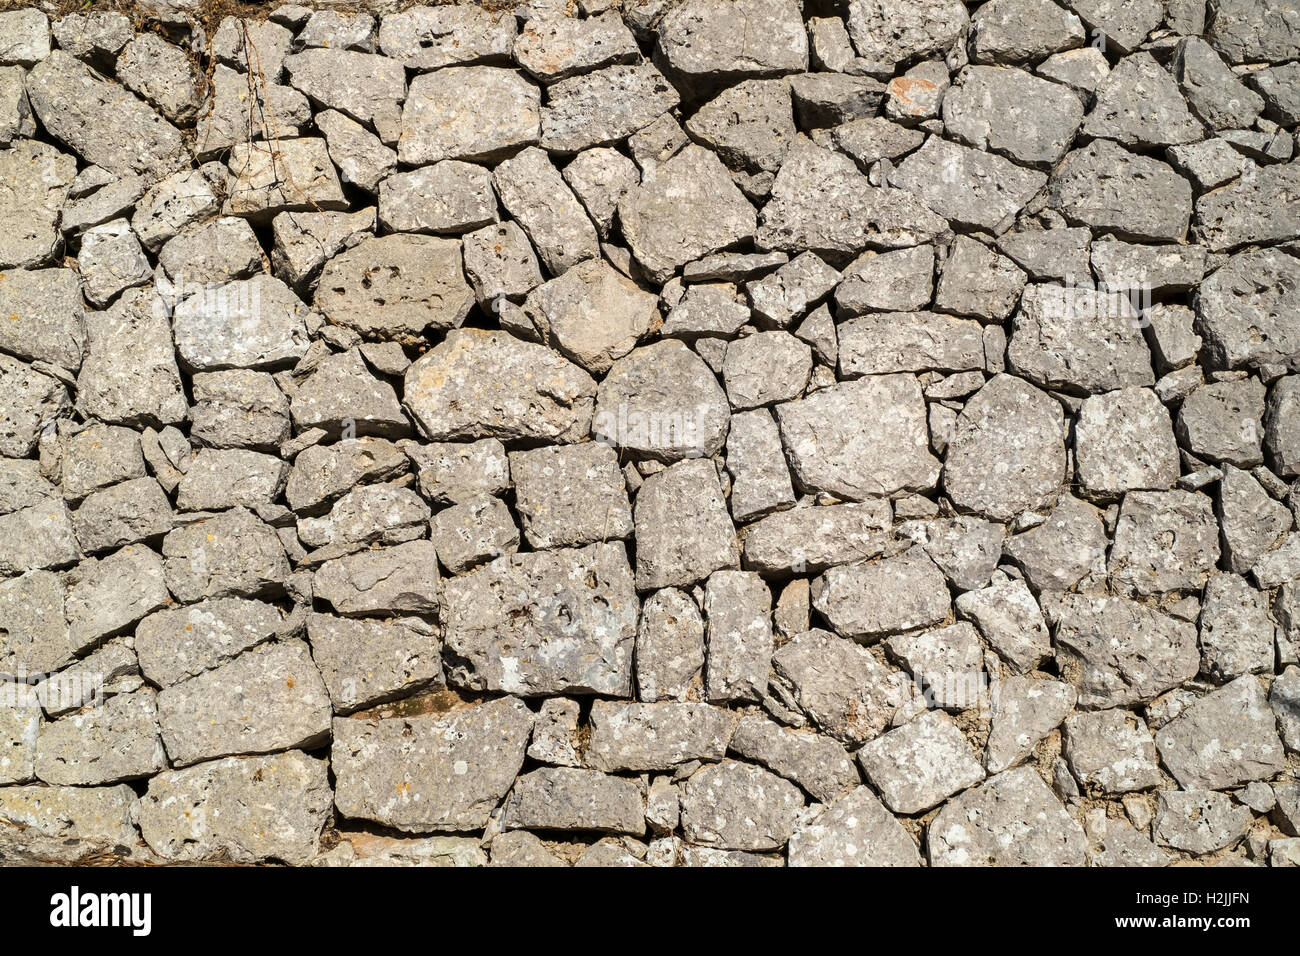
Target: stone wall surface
pixel 668 432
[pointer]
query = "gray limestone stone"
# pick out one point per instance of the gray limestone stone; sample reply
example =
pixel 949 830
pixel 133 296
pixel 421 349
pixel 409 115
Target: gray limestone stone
pixel 568 798
pixel 812 539
pixel 1025 711
pixel 591 314
pixel 1111 751
pixel 899 32
pixel 688 209
pixel 174 644
pixel 860 439
pixel 528 390
pixel 1078 339
pixel 1124 441
pixel 656 736
pixel 1008 111
pixel 854 830
pixel 368 662
pixel 663 402
pixel 1106 187
pixel 1198 821
pixel 920 764
pixel 1011 423
pixel 669 646
pixel 232 554
pixel 964 185
pixel 822 203
pixel 911 592
pixel 468 112
pixel 93 117
pixel 818 764
pixel 430 773
pixel 888 342
pixel 291 175
pixel 402 579
pixel 1012 819
pixel 737 806
pixel 240 809
pixel 396 287
pixel 702 40
pixel 545 623
pixel 738 607
pixel 603 107
pixel 447 197
pixel 430 37
pixel 279 703
pixel 108 744
pixel 1158 653
pixel 850 694
pixel 1223 739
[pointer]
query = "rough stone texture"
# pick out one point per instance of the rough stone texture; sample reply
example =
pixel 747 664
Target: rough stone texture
pixel 736 806
pixel 686 210
pixel 1007 453
pixel 683 529
pixel 849 433
pixel 280 703
pixel 430 773
pixel 1111 751
pixel 246 810
pixel 1159 653
pixel 907 591
pixel 1106 187
pixel 1223 739
pixel 920 764
pixel 547 623
pixel 860 439
pixel 841 686
pixel 479 384
pixel 855 830
pixel 1012 819
pixel 1024 712
pixel 471 112
pixel 656 736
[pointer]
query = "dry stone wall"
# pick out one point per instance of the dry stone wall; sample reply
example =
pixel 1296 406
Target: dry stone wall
pixel 683 432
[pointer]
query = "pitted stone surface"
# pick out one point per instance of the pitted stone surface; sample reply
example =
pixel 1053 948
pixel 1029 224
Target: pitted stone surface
pixel 656 432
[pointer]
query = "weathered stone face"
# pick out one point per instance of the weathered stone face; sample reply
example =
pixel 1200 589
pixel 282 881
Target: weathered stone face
pixel 549 623
pixel 650 433
pixel 422 774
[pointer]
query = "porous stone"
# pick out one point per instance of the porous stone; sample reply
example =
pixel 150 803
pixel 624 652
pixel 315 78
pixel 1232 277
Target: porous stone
pixel 688 209
pixel 1158 654
pixel 855 830
pixel 551 622
pixel 430 773
pixel 396 287
pixel 1106 187
pixel 1124 441
pixel 849 693
pixel 245 810
pixel 520 390
pixel 1011 423
pixel 568 798
pixel 737 806
pixel 1226 738
pixel 1011 819
pixel 467 112
pixel 656 736
pixel 1025 711
pixel 108 744
pixel 280 704
pixel 860 439
pixel 920 764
